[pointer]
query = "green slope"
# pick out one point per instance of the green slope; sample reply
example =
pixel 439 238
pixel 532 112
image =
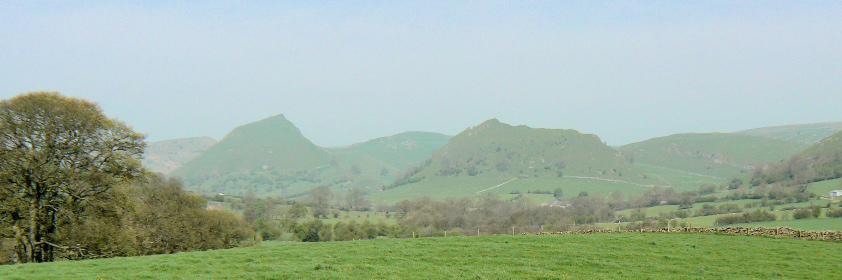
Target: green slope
pixel 826 149
pixel 804 133
pixel 821 161
pixel 272 143
pixel 400 151
pixel 573 256
pixel 271 158
pixel 719 155
pixel 166 156
pixel 493 153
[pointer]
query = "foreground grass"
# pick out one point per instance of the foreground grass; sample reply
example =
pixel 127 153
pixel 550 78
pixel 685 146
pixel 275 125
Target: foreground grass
pixel 603 256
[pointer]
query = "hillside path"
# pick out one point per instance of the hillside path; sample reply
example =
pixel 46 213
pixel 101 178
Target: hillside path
pixel 497 186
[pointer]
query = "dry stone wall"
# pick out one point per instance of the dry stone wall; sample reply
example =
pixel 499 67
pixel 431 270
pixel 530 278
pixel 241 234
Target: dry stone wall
pixel 826 235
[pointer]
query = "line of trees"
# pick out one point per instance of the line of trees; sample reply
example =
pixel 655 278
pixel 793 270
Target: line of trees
pixel 430 217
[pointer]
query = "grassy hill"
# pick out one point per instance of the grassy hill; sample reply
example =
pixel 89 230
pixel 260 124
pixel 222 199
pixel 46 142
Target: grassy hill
pixel 271 158
pixel 400 151
pixel 719 155
pixel 575 256
pixel 493 154
pixel 821 161
pixel 272 143
pixel 804 133
pixel 166 156
pixel 826 157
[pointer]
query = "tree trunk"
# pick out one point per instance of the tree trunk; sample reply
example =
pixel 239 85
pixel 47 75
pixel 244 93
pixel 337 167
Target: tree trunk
pixel 33 228
pixel 20 246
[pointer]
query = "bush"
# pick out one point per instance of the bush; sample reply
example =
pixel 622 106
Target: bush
pixel 759 215
pixel 802 213
pixel 834 213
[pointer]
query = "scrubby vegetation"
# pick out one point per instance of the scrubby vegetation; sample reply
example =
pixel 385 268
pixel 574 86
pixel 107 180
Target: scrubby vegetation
pixel 822 161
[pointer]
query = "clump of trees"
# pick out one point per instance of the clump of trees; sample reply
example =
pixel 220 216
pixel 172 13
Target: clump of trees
pixel 807 212
pixel 72 187
pixel 318 231
pixel 759 215
pixel 409 177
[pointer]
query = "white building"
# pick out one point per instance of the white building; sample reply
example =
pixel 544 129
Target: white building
pixel 835 193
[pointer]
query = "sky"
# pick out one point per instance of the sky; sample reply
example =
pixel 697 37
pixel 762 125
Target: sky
pixel 349 71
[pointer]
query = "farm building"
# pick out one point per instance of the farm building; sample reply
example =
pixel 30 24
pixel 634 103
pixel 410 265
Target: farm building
pixel 835 193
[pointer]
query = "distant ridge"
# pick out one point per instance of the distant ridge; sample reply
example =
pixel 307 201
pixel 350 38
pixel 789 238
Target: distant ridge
pixel 165 156
pixel 400 151
pixel 804 133
pixel 712 154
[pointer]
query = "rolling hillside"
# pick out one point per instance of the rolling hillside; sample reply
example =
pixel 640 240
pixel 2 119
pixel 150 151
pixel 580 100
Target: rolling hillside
pixel 487 156
pixel 166 156
pixel 271 158
pixel 400 151
pixel 821 161
pixel 720 155
pixel 804 133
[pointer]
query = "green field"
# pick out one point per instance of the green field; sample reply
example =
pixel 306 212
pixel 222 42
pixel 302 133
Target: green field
pixel 576 256
pixel 823 188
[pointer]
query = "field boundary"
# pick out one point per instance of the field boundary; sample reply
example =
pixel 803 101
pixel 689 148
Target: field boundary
pixel 824 235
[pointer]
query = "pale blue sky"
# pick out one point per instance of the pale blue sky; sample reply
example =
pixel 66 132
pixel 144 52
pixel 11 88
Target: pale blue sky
pixel 348 72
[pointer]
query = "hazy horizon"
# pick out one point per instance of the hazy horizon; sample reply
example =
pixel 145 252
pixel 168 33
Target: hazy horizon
pixel 345 73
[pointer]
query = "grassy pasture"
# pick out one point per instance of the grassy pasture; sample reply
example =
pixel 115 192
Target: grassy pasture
pixel 679 180
pixel 579 256
pixel 824 187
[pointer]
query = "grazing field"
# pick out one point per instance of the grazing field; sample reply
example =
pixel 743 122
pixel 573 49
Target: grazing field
pixel 824 187
pixel 575 256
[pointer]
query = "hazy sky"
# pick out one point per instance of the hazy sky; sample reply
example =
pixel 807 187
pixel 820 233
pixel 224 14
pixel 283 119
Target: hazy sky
pixel 348 72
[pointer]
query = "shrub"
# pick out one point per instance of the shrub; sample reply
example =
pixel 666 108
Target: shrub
pixel 834 213
pixel 802 213
pixel 759 215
